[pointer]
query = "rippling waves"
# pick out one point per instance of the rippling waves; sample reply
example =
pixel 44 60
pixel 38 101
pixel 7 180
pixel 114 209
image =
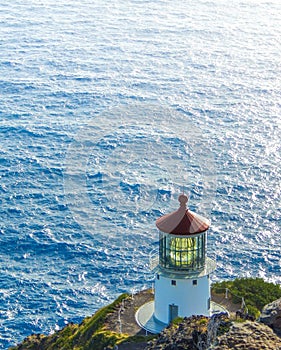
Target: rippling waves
pixel 107 110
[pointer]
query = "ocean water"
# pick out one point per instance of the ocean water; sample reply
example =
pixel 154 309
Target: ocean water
pixel 108 111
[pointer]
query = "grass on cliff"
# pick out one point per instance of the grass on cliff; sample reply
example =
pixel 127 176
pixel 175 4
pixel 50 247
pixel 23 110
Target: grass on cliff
pixel 89 335
pixel 256 292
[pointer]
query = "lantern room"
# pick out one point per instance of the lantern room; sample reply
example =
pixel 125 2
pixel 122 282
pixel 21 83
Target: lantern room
pixel 182 253
pixel 182 239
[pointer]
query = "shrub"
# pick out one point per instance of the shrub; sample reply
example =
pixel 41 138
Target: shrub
pixel 255 291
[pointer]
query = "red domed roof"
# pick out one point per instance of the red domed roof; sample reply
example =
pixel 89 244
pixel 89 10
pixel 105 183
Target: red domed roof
pixel 182 221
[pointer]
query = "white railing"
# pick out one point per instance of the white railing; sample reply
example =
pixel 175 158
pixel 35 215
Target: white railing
pixel 153 259
pixel 210 264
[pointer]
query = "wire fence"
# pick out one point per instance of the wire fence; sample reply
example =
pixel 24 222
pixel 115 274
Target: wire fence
pixel 228 292
pixel 121 309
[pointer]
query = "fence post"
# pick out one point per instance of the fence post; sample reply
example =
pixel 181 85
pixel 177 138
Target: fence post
pixel 119 319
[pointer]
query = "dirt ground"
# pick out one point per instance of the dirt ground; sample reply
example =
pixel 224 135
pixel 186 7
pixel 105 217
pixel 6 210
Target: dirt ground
pixel 123 320
pixel 227 303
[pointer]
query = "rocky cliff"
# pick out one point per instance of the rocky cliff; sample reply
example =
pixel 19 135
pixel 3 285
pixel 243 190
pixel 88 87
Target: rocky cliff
pixel 218 333
pixel 271 316
pixel 115 325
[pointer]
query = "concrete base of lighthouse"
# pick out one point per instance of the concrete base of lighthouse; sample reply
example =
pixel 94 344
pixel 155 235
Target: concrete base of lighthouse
pixel 146 319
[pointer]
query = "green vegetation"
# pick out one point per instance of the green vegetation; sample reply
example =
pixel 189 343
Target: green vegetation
pixel 203 321
pixel 224 327
pixel 176 321
pixel 255 291
pixel 89 335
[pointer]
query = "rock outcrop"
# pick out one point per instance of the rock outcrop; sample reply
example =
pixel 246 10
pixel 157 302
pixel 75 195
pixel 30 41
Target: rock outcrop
pixel 248 335
pixel 218 333
pixel 271 316
pixel 187 335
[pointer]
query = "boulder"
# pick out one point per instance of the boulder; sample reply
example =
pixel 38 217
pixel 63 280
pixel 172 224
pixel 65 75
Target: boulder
pixel 248 336
pixel 271 316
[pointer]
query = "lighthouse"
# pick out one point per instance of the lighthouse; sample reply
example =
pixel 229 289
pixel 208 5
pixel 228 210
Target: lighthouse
pixel 182 270
pixel 182 283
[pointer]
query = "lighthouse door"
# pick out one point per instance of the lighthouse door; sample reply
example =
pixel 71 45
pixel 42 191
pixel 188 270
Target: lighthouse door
pixel 173 312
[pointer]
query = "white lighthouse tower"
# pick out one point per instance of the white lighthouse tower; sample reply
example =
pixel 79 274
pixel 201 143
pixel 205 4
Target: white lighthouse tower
pixel 182 268
pixel 182 284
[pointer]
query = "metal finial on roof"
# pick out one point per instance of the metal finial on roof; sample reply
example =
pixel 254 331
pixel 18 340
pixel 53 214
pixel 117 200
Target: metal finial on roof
pixel 183 199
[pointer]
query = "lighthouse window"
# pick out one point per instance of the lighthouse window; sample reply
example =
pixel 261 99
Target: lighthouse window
pixel 158 276
pixel 174 282
pixel 194 282
pixel 182 252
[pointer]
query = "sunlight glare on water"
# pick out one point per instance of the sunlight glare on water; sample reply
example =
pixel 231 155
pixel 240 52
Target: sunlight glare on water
pixel 107 112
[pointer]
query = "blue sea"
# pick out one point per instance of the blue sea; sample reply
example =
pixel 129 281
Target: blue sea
pixel 110 110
